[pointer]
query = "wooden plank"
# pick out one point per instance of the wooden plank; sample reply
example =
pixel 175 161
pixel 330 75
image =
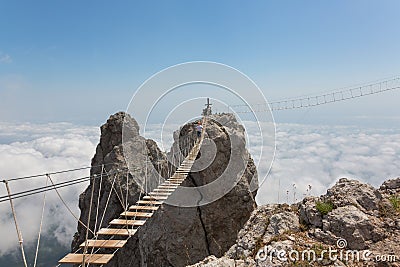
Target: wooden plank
pixel 178 176
pixel 103 243
pixel 149 202
pixel 127 222
pixel 160 194
pixel 111 231
pixel 168 186
pixel 170 183
pixel 155 197
pixel 89 258
pixel 139 207
pixel 149 198
pixel 162 187
pixel 164 190
pixel 137 214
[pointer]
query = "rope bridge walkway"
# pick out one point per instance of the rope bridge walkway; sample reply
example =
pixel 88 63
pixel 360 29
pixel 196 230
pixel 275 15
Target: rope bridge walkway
pixel 121 229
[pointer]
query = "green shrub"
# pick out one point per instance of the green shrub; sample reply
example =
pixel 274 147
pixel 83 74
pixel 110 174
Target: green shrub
pixel 395 200
pixel 324 207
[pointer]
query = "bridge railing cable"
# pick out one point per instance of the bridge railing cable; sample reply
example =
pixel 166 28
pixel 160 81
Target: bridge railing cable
pixel 322 99
pixel 53 173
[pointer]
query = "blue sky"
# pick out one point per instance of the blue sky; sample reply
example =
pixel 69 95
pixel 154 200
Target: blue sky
pixel 79 61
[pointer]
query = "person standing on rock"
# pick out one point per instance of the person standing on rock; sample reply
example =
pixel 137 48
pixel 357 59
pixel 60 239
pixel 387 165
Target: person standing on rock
pixel 199 129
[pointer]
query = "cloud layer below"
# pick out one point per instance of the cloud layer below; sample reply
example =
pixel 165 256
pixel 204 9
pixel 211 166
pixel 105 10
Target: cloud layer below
pixel 35 149
pixel 318 156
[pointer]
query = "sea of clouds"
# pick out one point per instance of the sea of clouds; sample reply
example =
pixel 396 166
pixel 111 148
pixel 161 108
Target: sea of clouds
pixel 306 156
pixel 27 149
pixel 309 156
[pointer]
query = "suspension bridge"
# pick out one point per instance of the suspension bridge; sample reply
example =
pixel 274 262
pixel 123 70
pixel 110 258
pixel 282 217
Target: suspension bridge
pixel 132 218
pixel 113 238
pixel 321 99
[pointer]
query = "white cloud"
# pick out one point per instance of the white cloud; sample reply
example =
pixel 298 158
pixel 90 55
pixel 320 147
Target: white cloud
pixel 5 58
pixel 28 149
pixel 318 156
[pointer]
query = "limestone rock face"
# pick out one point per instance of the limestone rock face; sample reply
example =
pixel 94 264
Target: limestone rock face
pixel 109 167
pixel 174 236
pixel 363 219
pixel 213 261
pixel 353 225
pixel 351 192
pixel 308 213
pixel 179 236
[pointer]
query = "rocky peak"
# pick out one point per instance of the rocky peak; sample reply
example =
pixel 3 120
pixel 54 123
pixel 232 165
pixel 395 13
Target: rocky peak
pixel 109 166
pixel 111 131
pixel 173 236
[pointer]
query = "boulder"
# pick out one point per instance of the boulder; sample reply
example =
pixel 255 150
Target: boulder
pixel 352 192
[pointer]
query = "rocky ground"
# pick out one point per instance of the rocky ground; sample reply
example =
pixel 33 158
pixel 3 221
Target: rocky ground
pixel 351 220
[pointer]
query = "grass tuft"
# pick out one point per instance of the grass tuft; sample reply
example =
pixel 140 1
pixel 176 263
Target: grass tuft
pixel 324 207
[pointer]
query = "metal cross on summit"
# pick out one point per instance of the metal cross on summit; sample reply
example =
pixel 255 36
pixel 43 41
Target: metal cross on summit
pixel 207 111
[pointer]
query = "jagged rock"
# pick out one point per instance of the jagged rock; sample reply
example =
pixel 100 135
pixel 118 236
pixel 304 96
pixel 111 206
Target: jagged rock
pixel 324 236
pixel 283 222
pixel 353 225
pixel 355 217
pixel 264 224
pixel 109 157
pixel 308 214
pixel 174 236
pixel 251 234
pixel 391 184
pixel 352 192
pixel 212 261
